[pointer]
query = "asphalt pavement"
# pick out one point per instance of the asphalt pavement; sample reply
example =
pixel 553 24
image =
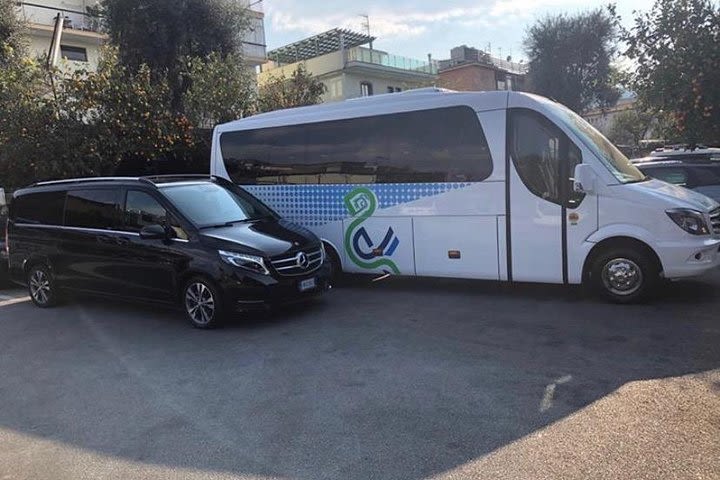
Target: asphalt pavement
pixel 398 379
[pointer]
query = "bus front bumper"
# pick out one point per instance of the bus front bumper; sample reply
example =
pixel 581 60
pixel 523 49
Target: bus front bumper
pixel 689 258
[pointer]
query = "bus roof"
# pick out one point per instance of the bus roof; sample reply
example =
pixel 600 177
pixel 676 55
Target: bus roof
pixel 408 100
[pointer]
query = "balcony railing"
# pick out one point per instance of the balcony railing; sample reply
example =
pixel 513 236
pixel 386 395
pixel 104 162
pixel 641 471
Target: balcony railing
pixel 375 57
pixel 74 19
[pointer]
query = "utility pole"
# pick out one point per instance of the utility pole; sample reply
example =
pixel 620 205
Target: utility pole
pixel 54 53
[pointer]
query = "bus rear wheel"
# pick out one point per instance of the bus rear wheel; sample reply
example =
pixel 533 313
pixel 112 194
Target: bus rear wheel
pixel 625 275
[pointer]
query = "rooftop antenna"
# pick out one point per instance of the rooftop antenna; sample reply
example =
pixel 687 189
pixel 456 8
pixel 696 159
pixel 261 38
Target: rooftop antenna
pixel 366 26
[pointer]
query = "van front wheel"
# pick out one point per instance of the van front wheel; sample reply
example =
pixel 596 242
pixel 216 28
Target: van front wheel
pixel 202 303
pixel 625 275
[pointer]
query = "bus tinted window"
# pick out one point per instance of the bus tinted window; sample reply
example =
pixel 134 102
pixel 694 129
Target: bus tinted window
pixel 439 145
pixel 44 208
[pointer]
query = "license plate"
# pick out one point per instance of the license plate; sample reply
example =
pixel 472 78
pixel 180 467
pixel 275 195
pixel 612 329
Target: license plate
pixel 308 284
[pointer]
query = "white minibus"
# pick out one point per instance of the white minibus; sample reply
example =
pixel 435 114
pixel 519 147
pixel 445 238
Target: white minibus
pixel 490 185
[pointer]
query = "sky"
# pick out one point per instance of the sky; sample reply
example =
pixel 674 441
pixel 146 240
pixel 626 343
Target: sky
pixel 414 28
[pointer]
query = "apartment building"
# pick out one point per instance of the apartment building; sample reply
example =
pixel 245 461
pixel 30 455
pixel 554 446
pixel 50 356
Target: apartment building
pixel 83 37
pixel 349 66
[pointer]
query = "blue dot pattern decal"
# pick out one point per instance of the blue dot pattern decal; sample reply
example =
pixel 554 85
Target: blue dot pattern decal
pixel 315 205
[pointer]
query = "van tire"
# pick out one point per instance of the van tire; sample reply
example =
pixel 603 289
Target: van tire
pixel 625 275
pixel 202 303
pixel 41 286
pixel 337 276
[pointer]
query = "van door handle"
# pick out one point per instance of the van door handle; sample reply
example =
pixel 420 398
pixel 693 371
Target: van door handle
pixel 122 241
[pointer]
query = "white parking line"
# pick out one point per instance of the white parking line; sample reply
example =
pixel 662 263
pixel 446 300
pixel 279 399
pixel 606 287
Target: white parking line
pixel 547 399
pixel 13 301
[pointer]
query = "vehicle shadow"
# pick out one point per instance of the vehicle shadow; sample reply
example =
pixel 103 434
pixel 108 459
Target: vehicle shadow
pixel 397 379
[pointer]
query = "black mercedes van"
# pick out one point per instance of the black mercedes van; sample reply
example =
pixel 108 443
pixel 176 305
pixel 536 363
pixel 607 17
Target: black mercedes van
pixel 201 242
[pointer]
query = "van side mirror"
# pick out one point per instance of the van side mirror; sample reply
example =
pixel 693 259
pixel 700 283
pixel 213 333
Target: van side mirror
pixel 153 232
pixel 584 179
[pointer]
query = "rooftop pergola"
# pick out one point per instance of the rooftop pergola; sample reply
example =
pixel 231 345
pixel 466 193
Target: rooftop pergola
pixel 327 42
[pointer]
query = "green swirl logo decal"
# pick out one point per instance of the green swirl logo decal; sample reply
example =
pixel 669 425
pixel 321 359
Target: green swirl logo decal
pixel 362 203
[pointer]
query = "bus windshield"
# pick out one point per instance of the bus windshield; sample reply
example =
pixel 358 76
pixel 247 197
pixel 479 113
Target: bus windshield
pixel 612 158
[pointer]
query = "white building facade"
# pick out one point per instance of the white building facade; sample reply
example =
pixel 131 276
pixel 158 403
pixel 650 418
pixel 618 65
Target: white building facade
pixel 349 68
pixel 82 36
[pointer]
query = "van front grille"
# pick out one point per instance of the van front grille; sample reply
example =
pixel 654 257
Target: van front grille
pixel 715 221
pixel 298 263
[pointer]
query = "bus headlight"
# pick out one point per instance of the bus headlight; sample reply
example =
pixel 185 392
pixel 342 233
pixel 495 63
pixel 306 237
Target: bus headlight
pixel 692 221
pixel 248 262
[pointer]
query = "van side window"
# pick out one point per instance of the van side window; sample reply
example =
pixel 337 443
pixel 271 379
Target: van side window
pixel 94 208
pixel 436 145
pixel 45 208
pixel 141 210
pixel 544 157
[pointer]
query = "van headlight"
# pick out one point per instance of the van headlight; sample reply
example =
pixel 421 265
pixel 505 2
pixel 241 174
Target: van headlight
pixel 692 221
pixel 243 260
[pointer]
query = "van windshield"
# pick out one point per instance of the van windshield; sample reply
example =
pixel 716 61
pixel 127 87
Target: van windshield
pixel 612 158
pixel 210 205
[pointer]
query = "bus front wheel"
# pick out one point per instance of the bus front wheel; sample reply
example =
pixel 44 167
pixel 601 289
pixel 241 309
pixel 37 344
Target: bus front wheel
pixel 625 275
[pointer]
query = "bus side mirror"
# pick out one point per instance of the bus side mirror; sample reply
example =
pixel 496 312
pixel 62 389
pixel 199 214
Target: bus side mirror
pixel 584 179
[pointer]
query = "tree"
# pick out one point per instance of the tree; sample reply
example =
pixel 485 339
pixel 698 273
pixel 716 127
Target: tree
pixel 12 45
pixel 570 58
pixel 222 89
pixel 299 90
pixel 93 122
pixel 630 127
pixel 163 34
pixel 675 47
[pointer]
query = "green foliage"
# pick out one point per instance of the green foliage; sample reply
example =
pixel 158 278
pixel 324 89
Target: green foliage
pixel 675 46
pixel 570 57
pixel 162 34
pixel 299 90
pixel 87 124
pixel 12 45
pixel 173 73
pixel 630 127
pixel 221 90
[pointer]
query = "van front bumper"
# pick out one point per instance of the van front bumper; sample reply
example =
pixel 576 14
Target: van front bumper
pixel 689 258
pixel 243 292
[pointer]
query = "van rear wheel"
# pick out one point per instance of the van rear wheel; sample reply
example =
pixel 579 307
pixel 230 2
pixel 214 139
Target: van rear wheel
pixel 41 286
pixel 625 275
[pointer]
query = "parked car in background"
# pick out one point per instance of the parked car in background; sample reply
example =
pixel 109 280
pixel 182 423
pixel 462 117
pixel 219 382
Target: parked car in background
pixel 682 153
pixel 699 172
pixel 203 243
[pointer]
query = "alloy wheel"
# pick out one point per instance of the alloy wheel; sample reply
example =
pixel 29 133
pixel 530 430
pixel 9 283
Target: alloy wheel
pixel 40 288
pixel 200 303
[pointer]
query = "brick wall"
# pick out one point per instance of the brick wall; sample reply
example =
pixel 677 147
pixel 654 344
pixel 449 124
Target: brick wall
pixel 468 78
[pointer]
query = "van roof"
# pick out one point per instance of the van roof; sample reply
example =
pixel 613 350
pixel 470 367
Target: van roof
pixel 407 100
pixel 153 180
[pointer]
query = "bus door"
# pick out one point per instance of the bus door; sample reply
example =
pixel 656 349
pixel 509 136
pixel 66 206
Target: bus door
pixel 548 220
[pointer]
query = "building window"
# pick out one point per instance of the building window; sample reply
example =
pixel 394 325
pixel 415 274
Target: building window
pixel 76 54
pixel 366 89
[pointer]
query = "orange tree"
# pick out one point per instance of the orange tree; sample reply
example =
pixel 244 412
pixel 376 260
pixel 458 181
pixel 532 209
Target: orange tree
pixel 675 46
pixel 84 124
